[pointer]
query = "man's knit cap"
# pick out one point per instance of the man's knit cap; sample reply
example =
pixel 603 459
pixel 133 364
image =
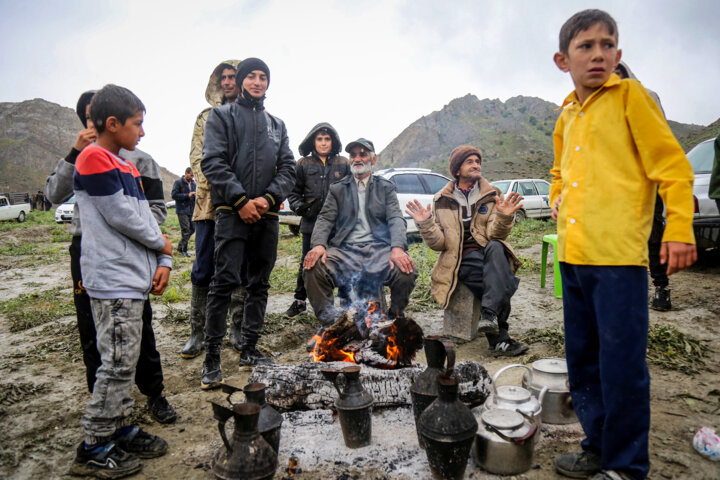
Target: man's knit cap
pixel 459 155
pixel 249 65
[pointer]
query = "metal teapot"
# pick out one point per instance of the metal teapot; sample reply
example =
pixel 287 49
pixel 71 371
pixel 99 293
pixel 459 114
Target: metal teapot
pixel 514 398
pixel 551 374
pixel 504 443
pixel 354 406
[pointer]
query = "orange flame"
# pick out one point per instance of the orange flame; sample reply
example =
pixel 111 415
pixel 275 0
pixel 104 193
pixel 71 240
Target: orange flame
pixel 325 351
pixel 392 350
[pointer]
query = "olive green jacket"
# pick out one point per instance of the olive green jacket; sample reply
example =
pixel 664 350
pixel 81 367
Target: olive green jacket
pixel 204 209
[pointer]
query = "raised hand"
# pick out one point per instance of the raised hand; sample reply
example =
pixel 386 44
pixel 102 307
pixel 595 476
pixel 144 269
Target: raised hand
pixel 510 204
pixel 417 212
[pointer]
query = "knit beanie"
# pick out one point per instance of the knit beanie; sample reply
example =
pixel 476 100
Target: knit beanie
pixel 248 65
pixel 459 155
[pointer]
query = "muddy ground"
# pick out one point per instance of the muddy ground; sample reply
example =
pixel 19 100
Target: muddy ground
pixel 43 390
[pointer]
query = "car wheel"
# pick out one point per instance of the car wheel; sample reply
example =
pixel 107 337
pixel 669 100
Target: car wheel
pixel 520 215
pixel 21 217
pixel 294 229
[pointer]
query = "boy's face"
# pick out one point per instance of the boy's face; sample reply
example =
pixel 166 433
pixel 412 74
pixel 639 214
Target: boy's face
pixel 127 135
pixel 591 58
pixel 256 83
pixel 323 144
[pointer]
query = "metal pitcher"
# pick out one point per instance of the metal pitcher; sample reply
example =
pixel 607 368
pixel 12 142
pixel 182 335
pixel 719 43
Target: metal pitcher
pixel 354 406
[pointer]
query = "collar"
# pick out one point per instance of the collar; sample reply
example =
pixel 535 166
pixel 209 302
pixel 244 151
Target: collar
pixel 365 182
pixel 573 98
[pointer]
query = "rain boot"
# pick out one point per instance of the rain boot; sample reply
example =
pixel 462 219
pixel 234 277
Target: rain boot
pixel 237 313
pixel 211 373
pixel 195 344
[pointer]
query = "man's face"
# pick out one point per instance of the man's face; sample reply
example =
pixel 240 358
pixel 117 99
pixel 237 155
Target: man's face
pixel 323 144
pixel 256 83
pixel 619 72
pixel 228 85
pixel 189 176
pixel 470 170
pixel 592 57
pixel 128 135
pixel 361 161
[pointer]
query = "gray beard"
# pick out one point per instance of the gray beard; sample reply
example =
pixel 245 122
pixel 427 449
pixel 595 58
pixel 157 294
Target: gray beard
pixel 360 171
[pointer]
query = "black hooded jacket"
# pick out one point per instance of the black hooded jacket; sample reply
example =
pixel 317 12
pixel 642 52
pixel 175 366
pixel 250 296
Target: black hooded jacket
pixel 313 178
pixel 246 154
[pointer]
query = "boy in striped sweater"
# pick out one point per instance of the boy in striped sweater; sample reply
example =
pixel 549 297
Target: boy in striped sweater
pixel 125 257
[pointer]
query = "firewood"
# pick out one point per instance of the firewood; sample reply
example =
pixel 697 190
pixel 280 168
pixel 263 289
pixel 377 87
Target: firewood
pixel 302 387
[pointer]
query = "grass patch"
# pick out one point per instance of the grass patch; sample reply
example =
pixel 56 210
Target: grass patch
pixel 175 294
pixel 668 348
pixel 276 322
pixel 530 232
pixel 528 266
pixel 33 218
pixel 11 250
pixel 421 299
pixel 283 279
pixel 32 309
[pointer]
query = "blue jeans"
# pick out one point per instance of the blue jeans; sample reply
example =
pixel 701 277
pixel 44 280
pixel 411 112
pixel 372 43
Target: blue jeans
pixel 606 334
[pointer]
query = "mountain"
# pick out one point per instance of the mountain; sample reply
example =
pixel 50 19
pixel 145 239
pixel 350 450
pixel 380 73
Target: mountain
pixel 34 134
pixel 515 136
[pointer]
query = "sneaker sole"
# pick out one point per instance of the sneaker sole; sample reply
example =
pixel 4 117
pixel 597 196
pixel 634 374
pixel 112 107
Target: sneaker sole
pixel 188 356
pixel 246 368
pixel 211 386
pixel 571 474
pixel 660 309
pixel 492 330
pixel 495 353
pixel 85 470
pixel 148 455
pixel 164 421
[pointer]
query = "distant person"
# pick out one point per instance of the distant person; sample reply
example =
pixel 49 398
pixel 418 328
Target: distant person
pixel 118 221
pixel 59 187
pixel 319 166
pixel 658 272
pixel 610 139
pixel 360 239
pixel 183 192
pixel 714 187
pixel 250 168
pixel 468 224
pixel 221 89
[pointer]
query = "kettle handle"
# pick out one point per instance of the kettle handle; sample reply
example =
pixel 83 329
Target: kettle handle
pixel 499 372
pixel 222 414
pixel 331 374
pixel 450 354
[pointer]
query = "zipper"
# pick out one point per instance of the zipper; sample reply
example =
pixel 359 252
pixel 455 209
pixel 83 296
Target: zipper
pixel 254 165
pixel 456 269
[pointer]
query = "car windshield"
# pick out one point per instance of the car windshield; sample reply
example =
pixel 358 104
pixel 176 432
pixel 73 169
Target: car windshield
pixel 503 186
pixel 70 200
pixel 701 157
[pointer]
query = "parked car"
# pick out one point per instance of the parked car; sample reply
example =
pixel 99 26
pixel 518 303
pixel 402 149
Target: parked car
pixel 536 193
pixel 170 204
pixel 707 217
pixel 414 183
pixel 13 212
pixel 288 217
pixel 64 211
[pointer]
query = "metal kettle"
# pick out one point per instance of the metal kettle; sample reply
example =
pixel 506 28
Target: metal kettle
pixel 505 442
pixel 513 397
pixel 354 406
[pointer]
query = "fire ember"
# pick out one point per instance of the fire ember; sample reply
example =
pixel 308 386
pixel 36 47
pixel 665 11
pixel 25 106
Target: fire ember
pixel 363 334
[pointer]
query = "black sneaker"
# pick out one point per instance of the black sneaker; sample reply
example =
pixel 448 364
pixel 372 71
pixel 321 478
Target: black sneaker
pixel 250 357
pixel 297 307
pixel 138 442
pixel 104 461
pixel 507 348
pixel 488 322
pixel 661 300
pixel 161 410
pixel 580 464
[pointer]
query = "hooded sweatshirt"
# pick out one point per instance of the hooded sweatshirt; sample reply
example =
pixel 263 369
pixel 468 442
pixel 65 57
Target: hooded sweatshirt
pixel 313 177
pixel 204 209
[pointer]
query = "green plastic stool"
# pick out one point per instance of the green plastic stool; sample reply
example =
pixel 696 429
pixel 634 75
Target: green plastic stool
pixel 557 280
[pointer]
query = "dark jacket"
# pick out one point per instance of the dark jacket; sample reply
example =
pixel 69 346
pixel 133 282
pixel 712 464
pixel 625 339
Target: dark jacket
pixel 339 213
pixel 184 203
pixel 246 154
pixel 313 178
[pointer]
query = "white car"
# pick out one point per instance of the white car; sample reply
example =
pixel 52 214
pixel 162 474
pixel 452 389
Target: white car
pixel 707 217
pixel 64 212
pixel 536 193
pixel 288 217
pixel 414 183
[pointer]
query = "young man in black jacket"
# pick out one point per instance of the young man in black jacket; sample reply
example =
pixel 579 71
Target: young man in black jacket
pixel 183 193
pixel 249 165
pixel 319 166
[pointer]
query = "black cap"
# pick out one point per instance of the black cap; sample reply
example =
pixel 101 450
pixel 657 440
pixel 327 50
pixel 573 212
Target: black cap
pixel 249 65
pixel 363 142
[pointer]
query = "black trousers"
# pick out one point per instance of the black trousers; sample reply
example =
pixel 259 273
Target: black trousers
pixel 487 273
pixel 658 271
pixel 235 242
pixel 300 292
pixel 187 228
pixel 148 373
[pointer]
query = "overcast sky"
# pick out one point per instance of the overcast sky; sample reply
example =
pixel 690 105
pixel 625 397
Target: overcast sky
pixel 370 68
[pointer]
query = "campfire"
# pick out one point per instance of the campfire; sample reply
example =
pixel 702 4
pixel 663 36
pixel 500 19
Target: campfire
pixel 364 334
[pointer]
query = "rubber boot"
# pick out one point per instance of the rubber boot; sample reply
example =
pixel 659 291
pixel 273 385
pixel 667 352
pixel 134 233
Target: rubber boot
pixel 237 314
pixel 195 343
pixel 211 372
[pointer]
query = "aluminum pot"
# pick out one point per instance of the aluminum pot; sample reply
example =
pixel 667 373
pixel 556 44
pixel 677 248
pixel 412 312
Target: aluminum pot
pixel 514 398
pixel 551 374
pixel 504 443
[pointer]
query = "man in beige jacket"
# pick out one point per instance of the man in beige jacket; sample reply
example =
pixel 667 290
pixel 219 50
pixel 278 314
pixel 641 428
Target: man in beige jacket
pixel 468 225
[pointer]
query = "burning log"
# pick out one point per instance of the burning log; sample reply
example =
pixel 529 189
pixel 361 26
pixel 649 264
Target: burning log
pixel 302 387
